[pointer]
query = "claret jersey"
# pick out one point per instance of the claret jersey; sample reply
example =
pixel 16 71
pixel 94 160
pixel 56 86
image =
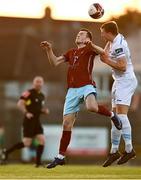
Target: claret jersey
pixel 80 61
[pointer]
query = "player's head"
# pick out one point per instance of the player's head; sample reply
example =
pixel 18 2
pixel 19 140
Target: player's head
pixel 38 82
pixel 83 36
pixel 109 30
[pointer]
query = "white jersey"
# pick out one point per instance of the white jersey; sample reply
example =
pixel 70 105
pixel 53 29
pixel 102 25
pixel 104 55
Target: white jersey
pixel 119 48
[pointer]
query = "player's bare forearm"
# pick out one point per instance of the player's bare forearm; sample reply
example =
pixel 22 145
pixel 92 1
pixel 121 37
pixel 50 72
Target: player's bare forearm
pixel 55 61
pixel 47 47
pixel 51 57
pixel 119 65
pixel 98 49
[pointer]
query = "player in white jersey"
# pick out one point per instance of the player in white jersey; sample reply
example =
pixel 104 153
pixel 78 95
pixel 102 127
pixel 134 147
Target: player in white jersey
pixel 118 57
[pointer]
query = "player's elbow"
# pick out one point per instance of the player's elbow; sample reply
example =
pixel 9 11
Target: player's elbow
pixel 58 62
pixel 54 62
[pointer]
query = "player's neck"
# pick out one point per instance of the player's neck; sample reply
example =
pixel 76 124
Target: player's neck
pixel 113 38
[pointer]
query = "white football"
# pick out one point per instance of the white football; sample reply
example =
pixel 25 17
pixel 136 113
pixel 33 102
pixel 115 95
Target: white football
pixel 95 11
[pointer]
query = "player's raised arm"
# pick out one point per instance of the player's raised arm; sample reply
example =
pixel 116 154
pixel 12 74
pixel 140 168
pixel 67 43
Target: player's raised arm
pixel 96 48
pixel 53 59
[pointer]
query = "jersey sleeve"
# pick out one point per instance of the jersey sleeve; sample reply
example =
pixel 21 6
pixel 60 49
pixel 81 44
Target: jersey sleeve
pixel 119 51
pixel 25 95
pixel 67 55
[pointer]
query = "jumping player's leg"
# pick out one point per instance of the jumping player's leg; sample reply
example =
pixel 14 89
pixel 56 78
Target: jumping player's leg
pixel 120 102
pixel 68 122
pixel 124 93
pixel 90 93
pixel 115 141
pixel 71 107
pixel 91 105
pixel 122 111
pixel 126 133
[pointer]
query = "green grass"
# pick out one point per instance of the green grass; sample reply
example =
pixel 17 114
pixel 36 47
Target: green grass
pixel 22 171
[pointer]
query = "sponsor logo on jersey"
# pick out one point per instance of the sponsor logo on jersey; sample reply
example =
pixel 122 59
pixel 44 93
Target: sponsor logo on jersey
pixel 119 100
pixel 119 50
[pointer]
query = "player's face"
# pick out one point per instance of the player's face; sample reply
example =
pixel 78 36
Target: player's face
pixel 38 83
pixel 104 35
pixel 81 38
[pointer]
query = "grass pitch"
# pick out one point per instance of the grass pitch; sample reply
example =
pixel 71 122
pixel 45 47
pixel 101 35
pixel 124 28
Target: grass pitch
pixel 22 171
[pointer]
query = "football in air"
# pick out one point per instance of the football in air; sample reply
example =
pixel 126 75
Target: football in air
pixel 96 11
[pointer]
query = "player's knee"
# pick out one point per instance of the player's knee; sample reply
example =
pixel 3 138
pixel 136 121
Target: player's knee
pixel 67 125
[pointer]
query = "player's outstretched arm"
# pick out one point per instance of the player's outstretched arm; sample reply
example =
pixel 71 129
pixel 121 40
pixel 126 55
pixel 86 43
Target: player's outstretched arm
pixel 53 59
pixel 96 48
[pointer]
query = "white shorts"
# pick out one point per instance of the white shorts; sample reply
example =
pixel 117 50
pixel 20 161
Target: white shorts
pixel 122 91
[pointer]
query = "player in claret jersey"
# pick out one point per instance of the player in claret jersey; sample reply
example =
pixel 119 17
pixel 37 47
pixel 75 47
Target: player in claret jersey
pixel 81 87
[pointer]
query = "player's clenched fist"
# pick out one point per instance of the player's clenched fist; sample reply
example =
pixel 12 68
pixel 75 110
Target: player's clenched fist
pixel 45 45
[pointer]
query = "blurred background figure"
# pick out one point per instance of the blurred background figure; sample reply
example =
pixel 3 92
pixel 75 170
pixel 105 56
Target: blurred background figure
pixel 31 104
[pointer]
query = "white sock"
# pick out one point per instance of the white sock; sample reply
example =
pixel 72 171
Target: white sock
pixel 115 139
pixel 60 156
pixel 126 132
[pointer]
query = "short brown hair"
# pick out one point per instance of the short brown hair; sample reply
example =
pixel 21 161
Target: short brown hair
pixel 89 33
pixel 110 26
